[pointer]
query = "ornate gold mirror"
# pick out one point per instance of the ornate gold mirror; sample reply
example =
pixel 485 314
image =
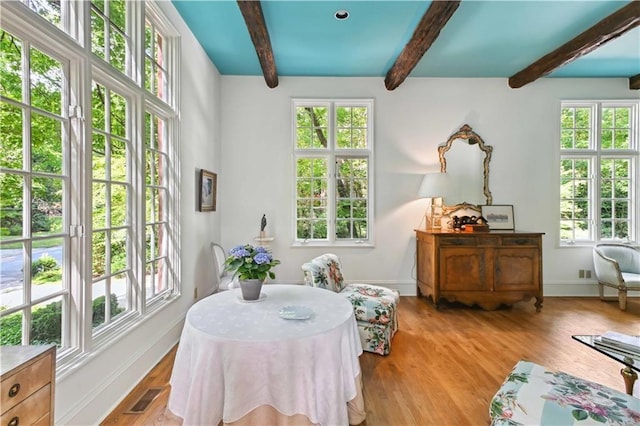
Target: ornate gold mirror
pixel 466 163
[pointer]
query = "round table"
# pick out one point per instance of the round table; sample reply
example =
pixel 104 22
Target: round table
pixel 235 356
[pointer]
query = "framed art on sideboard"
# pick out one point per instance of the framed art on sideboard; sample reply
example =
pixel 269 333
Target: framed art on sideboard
pixel 499 216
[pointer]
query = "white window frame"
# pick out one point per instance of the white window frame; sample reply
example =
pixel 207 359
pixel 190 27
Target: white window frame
pixel 74 48
pixel 331 153
pixel 594 154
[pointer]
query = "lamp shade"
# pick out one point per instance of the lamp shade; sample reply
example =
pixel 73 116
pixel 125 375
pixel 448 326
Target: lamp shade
pixel 433 185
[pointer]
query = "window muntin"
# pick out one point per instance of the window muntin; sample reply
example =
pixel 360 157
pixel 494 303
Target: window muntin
pixel 352 125
pixel 332 149
pixel 576 127
pixel 575 190
pixel 598 171
pixel 34 200
pixel 312 126
pixel 109 37
pixel 156 220
pixel 615 198
pixel 155 61
pixel 312 202
pixel 352 182
pixel 616 127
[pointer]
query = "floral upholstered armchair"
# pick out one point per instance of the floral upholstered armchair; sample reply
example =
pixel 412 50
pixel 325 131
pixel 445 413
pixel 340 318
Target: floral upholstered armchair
pixel 535 395
pixel 375 307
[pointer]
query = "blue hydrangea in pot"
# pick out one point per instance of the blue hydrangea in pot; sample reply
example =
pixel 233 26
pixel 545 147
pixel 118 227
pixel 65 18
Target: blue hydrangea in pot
pixel 252 265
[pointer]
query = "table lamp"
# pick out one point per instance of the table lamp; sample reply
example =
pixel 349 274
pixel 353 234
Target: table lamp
pixel 434 186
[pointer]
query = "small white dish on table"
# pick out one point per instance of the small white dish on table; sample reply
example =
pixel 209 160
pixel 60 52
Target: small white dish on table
pixel 296 312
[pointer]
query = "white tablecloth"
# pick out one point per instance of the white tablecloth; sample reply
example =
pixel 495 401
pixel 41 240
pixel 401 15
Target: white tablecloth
pixel 235 356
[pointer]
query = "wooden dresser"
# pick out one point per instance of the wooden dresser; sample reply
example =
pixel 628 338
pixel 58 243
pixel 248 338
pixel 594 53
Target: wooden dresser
pixel 27 387
pixel 488 269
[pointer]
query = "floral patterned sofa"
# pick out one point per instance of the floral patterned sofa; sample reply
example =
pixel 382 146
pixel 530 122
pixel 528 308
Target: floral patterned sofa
pixel 375 307
pixel 533 395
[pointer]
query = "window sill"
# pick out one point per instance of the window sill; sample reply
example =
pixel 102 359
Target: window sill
pixel 349 244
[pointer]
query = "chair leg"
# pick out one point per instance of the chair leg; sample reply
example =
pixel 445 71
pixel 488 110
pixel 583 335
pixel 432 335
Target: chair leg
pixel 622 299
pixel 601 290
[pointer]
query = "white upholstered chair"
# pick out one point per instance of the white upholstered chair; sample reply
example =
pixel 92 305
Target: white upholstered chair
pixel 225 281
pixel 375 307
pixel 617 266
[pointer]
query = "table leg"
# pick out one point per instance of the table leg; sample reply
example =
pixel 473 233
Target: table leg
pixel 629 377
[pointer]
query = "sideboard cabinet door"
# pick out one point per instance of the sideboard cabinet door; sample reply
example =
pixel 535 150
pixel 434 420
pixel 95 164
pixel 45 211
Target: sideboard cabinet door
pixel 517 269
pixel 463 269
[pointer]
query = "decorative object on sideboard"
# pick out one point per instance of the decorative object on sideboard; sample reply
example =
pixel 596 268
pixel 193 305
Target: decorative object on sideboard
pixel 460 210
pixel 499 216
pixel 470 224
pixel 434 186
pixel 208 191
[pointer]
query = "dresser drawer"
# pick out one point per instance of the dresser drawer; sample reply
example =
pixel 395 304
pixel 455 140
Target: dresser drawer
pixel 44 420
pixel 30 410
pixel 489 241
pixel 24 382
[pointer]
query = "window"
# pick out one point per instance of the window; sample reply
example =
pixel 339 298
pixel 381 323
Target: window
pixel 157 278
pixel 96 161
pixel 111 194
pixel 333 154
pixel 599 171
pixel 34 193
pixel 51 10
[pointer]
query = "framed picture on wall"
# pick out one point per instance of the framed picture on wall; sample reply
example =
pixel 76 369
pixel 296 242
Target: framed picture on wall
pixel 499 216
pixel 208 182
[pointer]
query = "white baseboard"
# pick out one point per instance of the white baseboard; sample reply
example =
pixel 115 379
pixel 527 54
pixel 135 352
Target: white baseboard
pixel 406 288
pixel 551 289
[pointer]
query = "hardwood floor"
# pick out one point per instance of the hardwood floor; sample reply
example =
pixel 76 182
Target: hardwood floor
pixel 445 365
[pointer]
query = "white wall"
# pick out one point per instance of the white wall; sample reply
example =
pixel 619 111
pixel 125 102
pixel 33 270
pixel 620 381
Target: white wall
pixel 522 125
pixel 88 394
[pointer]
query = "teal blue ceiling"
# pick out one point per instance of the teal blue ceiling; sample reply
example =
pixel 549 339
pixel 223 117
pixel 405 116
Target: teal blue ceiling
pixel 482 39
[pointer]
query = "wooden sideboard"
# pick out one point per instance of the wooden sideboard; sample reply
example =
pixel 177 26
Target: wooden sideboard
pixel 487 269
pixel 27 385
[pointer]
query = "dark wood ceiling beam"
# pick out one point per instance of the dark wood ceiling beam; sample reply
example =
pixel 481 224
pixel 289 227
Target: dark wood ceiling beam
pixel 611 27
pixel 253 17
pixel 427 31
pixel 634 82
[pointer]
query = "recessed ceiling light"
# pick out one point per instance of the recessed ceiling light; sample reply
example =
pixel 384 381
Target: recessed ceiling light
pixel 341 14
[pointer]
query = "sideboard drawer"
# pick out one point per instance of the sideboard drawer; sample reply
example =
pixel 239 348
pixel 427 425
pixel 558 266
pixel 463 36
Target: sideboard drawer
pixel 26 381
pixel 489 241
pixel 458 241
pixel 30 410
pixel 519 241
